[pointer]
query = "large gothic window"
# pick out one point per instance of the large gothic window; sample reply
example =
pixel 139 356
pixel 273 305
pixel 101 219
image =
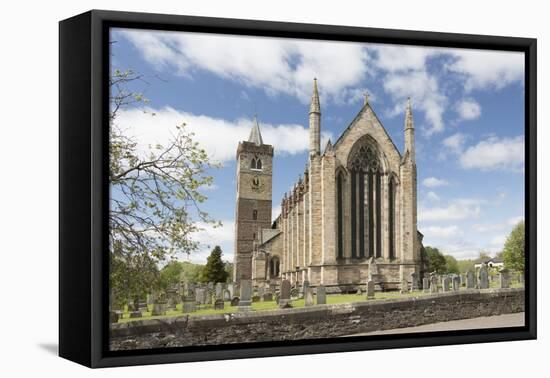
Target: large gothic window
pixel 365 202
pixel 391 217
pixel 256 163
pixel 340 206
pixel 274 267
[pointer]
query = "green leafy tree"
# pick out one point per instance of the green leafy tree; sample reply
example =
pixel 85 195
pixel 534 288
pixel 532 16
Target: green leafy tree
pixel 514 248
pixel 191 272
pixel 155 202
pixel 482 257
pixel 170 274
pixel 214 270
pixel 465 265
pixel 435 260
pixel 452 264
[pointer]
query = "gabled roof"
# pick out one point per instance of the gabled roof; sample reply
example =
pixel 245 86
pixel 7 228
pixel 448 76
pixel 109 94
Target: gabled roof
pixel 365 107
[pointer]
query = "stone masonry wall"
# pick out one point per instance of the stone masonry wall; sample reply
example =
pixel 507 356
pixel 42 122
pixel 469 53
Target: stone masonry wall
pixel 316 321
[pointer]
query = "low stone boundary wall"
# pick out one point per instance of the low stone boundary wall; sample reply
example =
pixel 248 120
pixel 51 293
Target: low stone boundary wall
pixel 313 322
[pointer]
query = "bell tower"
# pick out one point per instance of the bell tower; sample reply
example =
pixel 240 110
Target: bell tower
pixel 253 208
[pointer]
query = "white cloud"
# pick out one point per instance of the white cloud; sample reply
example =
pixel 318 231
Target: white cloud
pixel 272 64
pixel 424 91
pixel 455 143
pixel 468 109
pixel 432 196
pixel 455 210
pixel 441 232
pixel 210 236
pixel 498 240
pixel 432 182
pixel 498 226
pixel 485 69
pixel 395 58
pixel 515 220
pixel 495 154
pixel 217 136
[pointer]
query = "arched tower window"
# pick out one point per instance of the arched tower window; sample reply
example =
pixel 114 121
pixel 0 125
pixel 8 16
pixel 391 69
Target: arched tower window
pixel 366 199
pixel 256 163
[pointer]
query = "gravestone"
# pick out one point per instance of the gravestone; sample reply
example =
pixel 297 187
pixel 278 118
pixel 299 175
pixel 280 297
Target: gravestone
pixel 135 314
pixel 470 280
pixel 370 289
pixel 426 284
pixel 219 304
pixel 483 277
pixel 504 278
pixel 235 301
pixel 284 298
pixel 142 306
pixel 188 306
pixel 404 286
pixel 231 288
pixel 414 281
pixel 321 295
pixel 305 286
pixel 210 285
pixel 267 297
pixel 261 292
pixel 520 278
pixel 433 283
pixel 226 295
pixel 158 309
pixel 308 296
pixel 219 290
pixel 245 301
pixel 209 293
pixel 446 283
pixel 256 298
pixel 456 282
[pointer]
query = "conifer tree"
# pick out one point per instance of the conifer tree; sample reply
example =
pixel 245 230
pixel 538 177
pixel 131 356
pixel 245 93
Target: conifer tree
pixel 214 271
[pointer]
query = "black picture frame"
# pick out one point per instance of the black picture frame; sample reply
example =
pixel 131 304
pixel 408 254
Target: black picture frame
pixel 83 196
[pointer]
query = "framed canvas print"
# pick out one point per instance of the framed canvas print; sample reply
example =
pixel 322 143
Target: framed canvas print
pixel 234 188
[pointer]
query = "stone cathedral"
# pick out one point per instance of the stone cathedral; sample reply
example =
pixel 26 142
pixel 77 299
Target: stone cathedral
pixel 350 218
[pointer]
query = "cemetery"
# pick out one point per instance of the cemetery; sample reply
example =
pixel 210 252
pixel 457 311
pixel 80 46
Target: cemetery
pixel 190 299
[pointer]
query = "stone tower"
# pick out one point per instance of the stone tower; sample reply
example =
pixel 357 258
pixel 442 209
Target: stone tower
pixel 253 208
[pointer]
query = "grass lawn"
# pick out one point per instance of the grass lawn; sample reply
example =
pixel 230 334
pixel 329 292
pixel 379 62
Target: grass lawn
pixel 272 305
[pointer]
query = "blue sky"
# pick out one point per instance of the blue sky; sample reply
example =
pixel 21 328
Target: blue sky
pixel 468 108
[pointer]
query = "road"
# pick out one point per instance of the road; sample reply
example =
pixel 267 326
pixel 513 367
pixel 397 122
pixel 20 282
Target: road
pixel 498 321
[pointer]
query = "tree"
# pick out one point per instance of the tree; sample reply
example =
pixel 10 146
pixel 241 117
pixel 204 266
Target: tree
pixel 155 198
pixel 191 272
pixel 435 260
pixel 170 274
pixel 451 264
pixel 214 270
pixel 514 248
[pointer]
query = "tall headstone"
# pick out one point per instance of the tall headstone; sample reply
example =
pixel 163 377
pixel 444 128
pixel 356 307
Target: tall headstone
pixel 433 283
pixel 284 298
pixel 308 296
pixel 321 295
pixel 245 300
pixel 426 284
pixel 226 295
pixel 305 286
pixel 414 281
pixel 456 282
pixel 370 289
pixel 446 283
pixel 504 278
pixel 219 290
pixel 158 309
pixel 189 305
pixel 470 280
pixel 483 277
pixel 404 286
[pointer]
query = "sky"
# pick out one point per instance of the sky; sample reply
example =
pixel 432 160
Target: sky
pixel 468 109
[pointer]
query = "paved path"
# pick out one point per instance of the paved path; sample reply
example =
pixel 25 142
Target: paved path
pixel 498 321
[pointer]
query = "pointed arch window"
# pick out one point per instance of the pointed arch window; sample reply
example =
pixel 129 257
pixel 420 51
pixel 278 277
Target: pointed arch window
pixel 391 217
pixel 254 214
pixel 256 163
